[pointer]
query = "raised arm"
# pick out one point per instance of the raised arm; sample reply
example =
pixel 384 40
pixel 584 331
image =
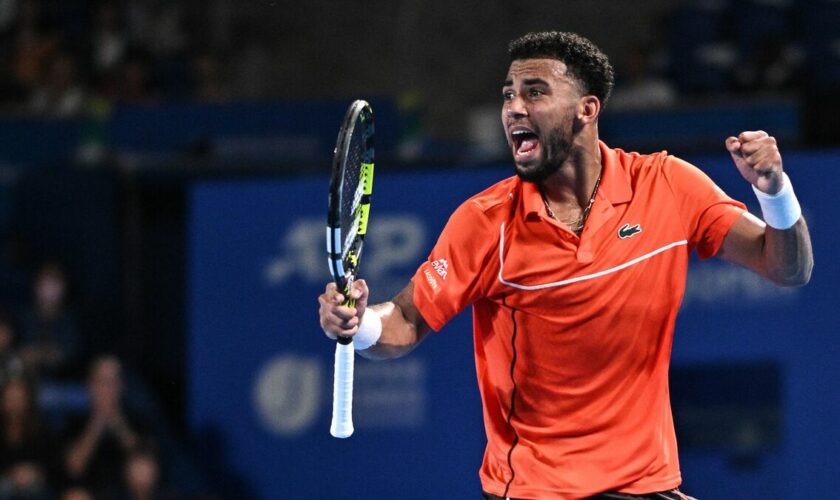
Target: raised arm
pixel 402 326
pixel 783 253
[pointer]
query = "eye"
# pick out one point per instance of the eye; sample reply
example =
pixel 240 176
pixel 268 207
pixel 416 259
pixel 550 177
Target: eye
pixel 507 95
pixel 535 93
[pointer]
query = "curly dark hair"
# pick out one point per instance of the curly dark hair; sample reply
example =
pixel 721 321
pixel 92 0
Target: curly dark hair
pixel 584 61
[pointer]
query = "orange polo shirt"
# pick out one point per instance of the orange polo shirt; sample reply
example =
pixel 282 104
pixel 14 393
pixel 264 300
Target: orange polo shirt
pixel 573 335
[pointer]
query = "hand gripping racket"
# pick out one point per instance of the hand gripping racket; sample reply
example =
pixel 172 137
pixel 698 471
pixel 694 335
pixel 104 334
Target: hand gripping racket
pixel 347 221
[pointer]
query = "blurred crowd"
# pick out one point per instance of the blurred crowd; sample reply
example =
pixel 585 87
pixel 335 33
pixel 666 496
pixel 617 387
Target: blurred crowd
pixel 726 48
pixel 60 56
pixel 69 430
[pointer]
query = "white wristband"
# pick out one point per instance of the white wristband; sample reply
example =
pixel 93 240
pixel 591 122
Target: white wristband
pixel 780 210
pixel 369 330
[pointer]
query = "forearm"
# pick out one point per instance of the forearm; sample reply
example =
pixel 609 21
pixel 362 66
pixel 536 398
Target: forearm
pixel 399 336
pixel 383 331
pixel 126 436
pixel 79 454
pixel 781 255
pixel 786 244
pixel 788 256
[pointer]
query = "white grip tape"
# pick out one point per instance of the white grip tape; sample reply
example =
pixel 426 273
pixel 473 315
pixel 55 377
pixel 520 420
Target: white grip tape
pixel 342 416
pixel 780 210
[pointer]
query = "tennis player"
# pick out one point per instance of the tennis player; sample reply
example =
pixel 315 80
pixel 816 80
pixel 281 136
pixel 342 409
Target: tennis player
pixel 575 269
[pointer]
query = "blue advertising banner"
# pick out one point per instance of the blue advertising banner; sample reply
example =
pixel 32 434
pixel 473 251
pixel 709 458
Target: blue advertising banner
pixel 261 369
pixel 754 364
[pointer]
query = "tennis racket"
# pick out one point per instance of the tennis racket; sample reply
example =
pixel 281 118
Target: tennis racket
pixel 351 185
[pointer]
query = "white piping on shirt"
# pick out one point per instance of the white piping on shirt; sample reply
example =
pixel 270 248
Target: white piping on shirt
pixel 577 278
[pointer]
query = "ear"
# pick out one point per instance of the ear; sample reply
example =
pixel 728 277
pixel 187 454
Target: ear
pixel 589 107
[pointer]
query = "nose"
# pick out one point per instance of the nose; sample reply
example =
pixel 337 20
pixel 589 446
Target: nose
pixel 514 108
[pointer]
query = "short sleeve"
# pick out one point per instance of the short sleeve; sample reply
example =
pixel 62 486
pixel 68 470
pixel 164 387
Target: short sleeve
pixel 707 213
pixel 455 273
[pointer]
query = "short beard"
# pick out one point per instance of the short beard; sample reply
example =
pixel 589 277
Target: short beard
pixel 557 149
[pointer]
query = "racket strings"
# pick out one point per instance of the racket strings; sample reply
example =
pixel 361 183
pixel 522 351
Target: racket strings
pixel 352 192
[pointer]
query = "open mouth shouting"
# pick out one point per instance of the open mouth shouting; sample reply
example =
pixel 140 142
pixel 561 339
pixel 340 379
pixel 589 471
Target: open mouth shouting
pixel 525 143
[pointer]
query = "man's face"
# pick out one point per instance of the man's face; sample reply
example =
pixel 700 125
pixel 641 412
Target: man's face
pixel 538 114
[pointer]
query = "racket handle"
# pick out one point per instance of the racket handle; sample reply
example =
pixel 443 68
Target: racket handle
pixel 342 416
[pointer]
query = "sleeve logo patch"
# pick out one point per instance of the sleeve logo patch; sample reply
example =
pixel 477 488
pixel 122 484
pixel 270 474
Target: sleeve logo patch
pixel 628 231
pixel 441 267
pixel 431 279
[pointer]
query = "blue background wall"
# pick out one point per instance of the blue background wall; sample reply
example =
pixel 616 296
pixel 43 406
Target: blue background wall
pixel 753 365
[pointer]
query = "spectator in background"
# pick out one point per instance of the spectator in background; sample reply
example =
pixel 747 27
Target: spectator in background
pixel 61 94
pixel 161 33
pixel 641 88
pixel 8 13
pixel 99 446
pixel 76 493
pixel 10 363
pixel 8 17
pixel 142 475
pixel 50 341
pixel 165 36
pixel 252 68
pixel 109 45
pixel 26 460
pixel 209 82
pixel 15 278
pixel 135 82
pixel 775 65
pixel 33 45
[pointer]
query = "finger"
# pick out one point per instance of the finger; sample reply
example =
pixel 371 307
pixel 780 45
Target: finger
pixel 335 322
pixel 762 167
pixel 733 145
pixel 331 294
pixel 331 290
pixel 335 332
pixel 347 324
pixel 345 332
pixel 361 293
pixel 751 147
pixel 343 328
pixel 344 313
pixel 359 288
pixel 328 300
pixel 751 135
pixel 766 166
pixel 330 314
pixel 334 325
pixel 767 156
pixel 331 329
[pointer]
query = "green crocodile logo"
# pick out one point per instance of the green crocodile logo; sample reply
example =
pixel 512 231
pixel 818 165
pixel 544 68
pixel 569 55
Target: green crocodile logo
pixel 626 231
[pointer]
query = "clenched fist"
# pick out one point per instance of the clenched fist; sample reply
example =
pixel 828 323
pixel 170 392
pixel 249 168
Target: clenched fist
pixel 757 157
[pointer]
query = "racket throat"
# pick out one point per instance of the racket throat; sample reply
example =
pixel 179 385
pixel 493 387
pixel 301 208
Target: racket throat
pixel 349 303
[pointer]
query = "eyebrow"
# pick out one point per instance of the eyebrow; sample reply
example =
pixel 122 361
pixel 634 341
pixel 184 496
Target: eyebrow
pixel 527 81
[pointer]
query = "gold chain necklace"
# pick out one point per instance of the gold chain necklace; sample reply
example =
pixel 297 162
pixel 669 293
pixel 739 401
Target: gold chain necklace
pixel 576 225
